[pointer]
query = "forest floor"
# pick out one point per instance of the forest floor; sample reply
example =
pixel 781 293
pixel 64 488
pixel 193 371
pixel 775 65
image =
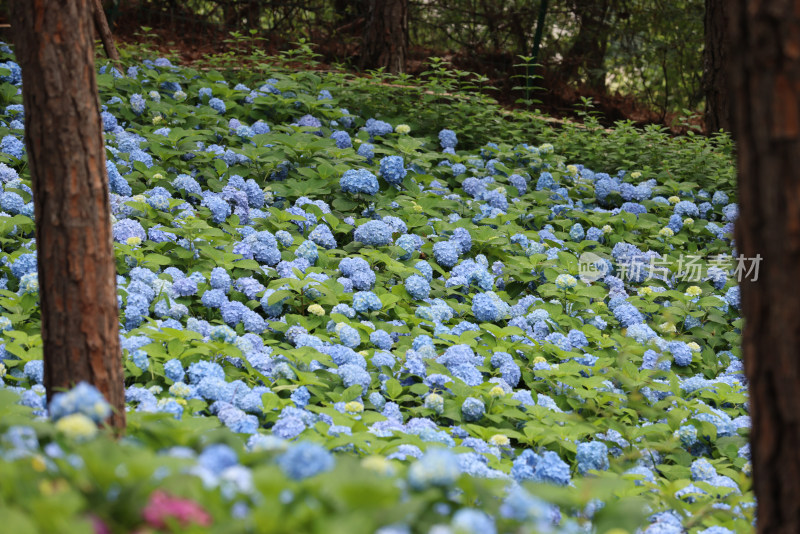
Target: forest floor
pixel 193 42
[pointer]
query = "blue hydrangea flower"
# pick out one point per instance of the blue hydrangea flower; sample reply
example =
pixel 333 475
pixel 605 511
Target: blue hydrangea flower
pixel 187 184
pixel 410 243
pixel 392 169
pixel 357 181
pixel 304 460
pixel 373 233
pixel 217 105
pixel 213 298
pixel 184 287
pixel 448 139
pixel 719 198
pixel 545 181
pixel 234 418
pixel 125 229
pixel 322 236
pixel 548 467
pixel 342 139
pixel 84 399
pixel 138 104
pixel 301 396
pixel 383 358
pixel 437 467
pixel 24 264
pixel 220 279
pixel 628 315
pixel 345 310
pixel 375 127
pixel 272 310
pixel 519 183
pixel 109 121
pixel 366 302
pixel 220 209
pixel 307 251
pixel 15 76
pixel 472 521
pixel 352 375
pixel 217 457
pixel 140 359
pixel 34 371
pixel 522 506
pixel 592 456
pixel 576 233
pixel 686 208
pixel 348 336
pixel 489 307
pixel 203 369
pixel 681 353
pixel 732 297
pixel 445 253
pixel 418 287
pixel 366 150
pixel 284 238
pixel 173 370
pixel 472 409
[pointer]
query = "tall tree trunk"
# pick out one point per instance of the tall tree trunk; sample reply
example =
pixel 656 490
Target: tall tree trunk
pixel 765 40
pixel 589 49
pixel 715 63
pixel 64 140
pixel 103 30
pixel 386 35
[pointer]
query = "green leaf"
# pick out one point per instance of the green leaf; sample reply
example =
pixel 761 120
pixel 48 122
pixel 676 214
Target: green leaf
pixel 18 522
pixel 157 259
pixel 220 166
pixel 393 388
pixel 278 296
pixel 419 389
pixel 352 393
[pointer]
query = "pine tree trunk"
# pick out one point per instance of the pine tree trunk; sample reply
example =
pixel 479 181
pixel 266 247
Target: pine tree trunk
pixel 715 61
pixel 386 36
pixel 104 31
pixel 765 40
pixel 63 135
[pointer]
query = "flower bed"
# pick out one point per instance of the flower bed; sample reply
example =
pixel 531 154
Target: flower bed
pixel 331 324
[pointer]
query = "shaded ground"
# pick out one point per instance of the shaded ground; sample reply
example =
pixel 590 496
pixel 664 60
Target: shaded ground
pixel 193 40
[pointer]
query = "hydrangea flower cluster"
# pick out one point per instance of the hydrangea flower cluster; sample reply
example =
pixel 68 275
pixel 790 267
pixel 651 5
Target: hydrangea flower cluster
pixel 356 181
pixel 428 319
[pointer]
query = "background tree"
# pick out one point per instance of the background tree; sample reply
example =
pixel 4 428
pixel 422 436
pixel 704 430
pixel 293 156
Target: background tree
pixel 588 51
pixel 765 39
pixel 715 60
pixel 386 35
pixel 64 140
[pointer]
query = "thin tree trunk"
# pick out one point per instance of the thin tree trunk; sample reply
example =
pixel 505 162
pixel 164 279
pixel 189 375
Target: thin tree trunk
pixel 63 135
pixel 589 49
pixel 386 36
pixel 765 40
pixel 101 25
pixel 715 63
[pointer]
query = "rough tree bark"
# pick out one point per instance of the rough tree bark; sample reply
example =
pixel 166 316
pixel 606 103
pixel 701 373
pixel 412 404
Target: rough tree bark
pixel 715 61
pixel 64 140
pixel 386 35
pixel 765 40
pixel 103 30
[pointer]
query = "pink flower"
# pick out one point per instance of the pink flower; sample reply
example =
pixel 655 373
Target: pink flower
pixel 99 525
pixel 162 506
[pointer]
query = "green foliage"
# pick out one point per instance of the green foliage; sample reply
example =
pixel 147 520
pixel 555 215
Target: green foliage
pixel 578 398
